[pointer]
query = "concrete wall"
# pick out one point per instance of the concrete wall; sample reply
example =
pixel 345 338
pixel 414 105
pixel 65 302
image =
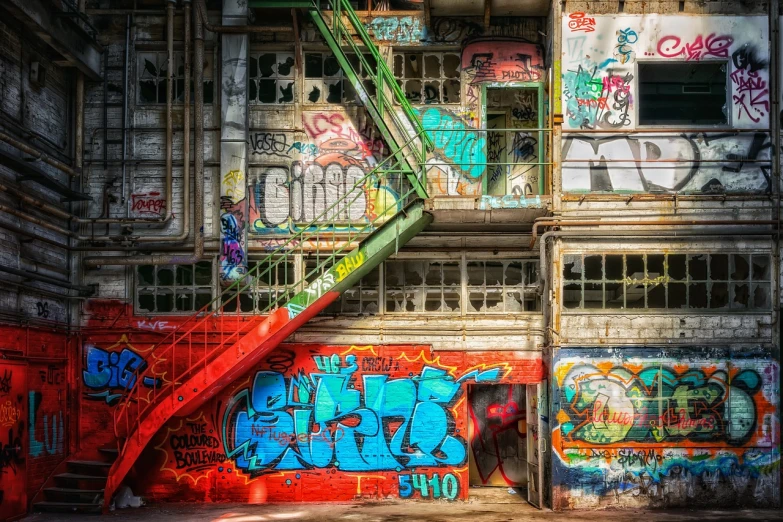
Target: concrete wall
pixel 664 427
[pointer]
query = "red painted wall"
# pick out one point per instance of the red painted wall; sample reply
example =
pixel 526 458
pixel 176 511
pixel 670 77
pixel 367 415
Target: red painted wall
pixel 308 423
pixel 34 402
pixel 320 423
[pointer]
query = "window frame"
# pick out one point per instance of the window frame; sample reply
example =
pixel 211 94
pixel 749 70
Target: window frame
pixel 651 127
pixel 686 282
pixel 209 56
pixel 140 289
pixel 442 78
pixel 295 78
pixel 367 79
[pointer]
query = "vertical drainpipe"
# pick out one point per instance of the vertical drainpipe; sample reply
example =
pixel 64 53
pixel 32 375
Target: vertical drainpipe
pixel 233 146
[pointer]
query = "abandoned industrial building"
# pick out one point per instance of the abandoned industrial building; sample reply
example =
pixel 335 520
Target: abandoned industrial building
pixel 334 250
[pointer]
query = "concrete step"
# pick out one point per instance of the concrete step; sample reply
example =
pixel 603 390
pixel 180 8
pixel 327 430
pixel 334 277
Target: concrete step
pixel 90 467
pixel 67 507
pixel 72 495
pixel 80 481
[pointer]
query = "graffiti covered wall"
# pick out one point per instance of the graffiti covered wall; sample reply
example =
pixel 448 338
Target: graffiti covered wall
pixel 601 91
pixel 372 421
pixel 458 166
pixel 327 163
pixel 664 428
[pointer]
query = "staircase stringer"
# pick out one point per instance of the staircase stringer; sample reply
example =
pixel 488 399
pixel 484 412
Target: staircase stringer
pixel 396 135
pixel 274 329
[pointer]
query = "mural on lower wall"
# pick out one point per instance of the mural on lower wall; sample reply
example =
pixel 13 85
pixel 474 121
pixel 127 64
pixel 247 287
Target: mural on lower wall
pixel 665 428
pixel 373 421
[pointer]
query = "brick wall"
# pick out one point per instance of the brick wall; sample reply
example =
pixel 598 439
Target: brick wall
pixel 288 430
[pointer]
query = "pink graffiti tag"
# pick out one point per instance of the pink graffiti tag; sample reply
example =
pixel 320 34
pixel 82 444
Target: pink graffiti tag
pixel 581 22
pixel 717 46
pixel 752 94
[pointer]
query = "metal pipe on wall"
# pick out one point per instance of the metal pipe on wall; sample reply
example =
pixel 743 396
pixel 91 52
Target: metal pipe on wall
pixel 661 222
pixel 39 155
pixel 237 29
pixel 83 290
pixel 198 108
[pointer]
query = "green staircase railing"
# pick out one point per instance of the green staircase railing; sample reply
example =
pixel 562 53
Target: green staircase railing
pixel 387 105
pixel 218 325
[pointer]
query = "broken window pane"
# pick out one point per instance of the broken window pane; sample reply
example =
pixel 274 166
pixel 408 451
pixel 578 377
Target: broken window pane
pixel 594 268
pixel 656 295
pixel 451 65
pixel 655 264
pixel 146 300
pixel 760 268
pixel 513 273
pixel 451 274
pixel 572 267
pixel 697 295
pixel 677 267
pixel 740 267
pixel 164 300
pixel 146 275
pixel 432 92
pixel 413 91
pixel 761 295
pixel 432 66
pixel 593 295
pixel 572 295
pixel 740 295
pixel 697 267
pixel 165 276
pixel 413 68
pixel 475 271
pixel 451 91
pixel 634 295
pixel 719 267
pixel 688 93
pixel 313 65
pixel 676 295
pixel 615 294
pixel 719 295
pixel 634 266
pixel 494 273
pixel 614 267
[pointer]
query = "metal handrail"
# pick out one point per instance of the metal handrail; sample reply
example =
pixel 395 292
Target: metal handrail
pixel 233 291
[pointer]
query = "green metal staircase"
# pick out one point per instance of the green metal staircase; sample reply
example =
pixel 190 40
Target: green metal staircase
pixel 219 343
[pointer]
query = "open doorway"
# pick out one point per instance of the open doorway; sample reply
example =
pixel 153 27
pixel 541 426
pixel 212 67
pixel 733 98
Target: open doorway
pixel 497 431
pixel 507 424
pixel 514 152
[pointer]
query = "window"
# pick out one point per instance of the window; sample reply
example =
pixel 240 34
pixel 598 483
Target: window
pixel 326 82
pixel 271 78
pixel 152 73
pixel 428 77
pixel 271 284
pixel 173 288
pixel 423 286
pixel 439 287
pixel 692 93
pixel 502 286
pixel 362 298
pixel 720 281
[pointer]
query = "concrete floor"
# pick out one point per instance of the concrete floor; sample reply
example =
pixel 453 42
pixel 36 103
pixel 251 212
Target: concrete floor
pixel 492 504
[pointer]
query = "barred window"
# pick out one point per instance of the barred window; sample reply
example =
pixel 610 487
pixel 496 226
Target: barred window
pixel 428 77
pixel 271 78
pixel 173 288
pixel 271 285
pixel 326 82
pixel 152 74
pixel 720 281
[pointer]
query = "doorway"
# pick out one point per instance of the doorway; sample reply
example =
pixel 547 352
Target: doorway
pixel 498 436
pixel 513 152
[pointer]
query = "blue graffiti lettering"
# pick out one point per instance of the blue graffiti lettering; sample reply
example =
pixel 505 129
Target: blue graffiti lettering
pixel 321 419
pixel 108 371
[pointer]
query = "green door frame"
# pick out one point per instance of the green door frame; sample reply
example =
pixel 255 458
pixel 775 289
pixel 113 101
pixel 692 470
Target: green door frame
pixel 539 87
